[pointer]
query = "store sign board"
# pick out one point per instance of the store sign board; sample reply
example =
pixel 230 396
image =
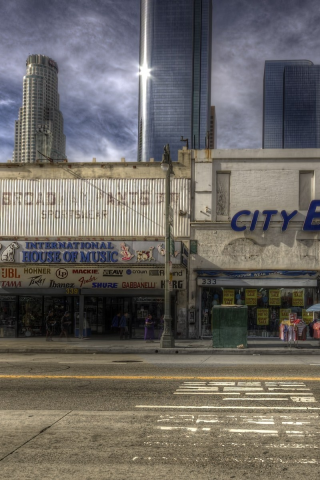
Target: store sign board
pixel 251 296
pixel 92 277
pixel 262 316
pixel 86 252
pixel 284 314
pixel 311 224
pixel 274 297
pixel 298 298
pixel 228 297
pixel 257 274
pixel 307 317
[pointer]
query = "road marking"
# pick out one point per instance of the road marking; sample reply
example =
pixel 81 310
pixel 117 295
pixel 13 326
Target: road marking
pixel 229 407
pixel 153 377
pixel 183 392
pixel 252 391
pixel 242 389
pixel 244 399
pixel 288 388
pixel 240 430
pixel 278 393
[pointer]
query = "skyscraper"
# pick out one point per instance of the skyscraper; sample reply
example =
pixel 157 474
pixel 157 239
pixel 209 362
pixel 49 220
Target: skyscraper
pixel 175 75
pixel 39 130
pixel 291 99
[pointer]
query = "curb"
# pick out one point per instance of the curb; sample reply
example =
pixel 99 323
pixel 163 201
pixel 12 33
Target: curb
pixel 165 351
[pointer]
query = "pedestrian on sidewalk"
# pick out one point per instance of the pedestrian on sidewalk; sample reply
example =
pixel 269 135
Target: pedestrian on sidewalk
pixel 50 324
pixel 149 328
pixel 65 323
pixel 124 326
pixel 115 322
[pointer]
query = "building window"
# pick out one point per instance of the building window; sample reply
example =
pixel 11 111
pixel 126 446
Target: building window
pixel 306 189
pixel 223 195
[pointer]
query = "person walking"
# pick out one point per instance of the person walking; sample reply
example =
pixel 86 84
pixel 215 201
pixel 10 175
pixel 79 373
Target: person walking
pixel 149 328
pixel 123 326
pixel 50 324
pixel 115 322
pixel 65 323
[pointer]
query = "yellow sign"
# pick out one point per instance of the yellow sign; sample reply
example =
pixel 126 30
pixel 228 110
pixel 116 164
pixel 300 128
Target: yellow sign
pixel 262 316
pixel 284 314
pixel 228 297
pixel 298 298
pixel 251 296
pixel 274 297
pixel 307 317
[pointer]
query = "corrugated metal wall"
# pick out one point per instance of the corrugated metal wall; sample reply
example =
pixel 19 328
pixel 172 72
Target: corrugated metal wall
pixel 91 208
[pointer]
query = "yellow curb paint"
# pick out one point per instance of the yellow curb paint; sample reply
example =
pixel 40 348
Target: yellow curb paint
pixel 152 377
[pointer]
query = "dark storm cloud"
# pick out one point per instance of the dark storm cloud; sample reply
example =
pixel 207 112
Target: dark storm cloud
pixel 96 45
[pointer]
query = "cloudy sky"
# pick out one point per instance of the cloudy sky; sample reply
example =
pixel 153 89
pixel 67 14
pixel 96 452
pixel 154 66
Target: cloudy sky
pixel 96 45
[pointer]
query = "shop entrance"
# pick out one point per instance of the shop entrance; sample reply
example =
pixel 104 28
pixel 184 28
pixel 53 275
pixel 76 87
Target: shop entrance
pixel 25 315
pixel 100 311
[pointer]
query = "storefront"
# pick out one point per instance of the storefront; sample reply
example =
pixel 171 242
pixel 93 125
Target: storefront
pixel 270 296
pixel 112 277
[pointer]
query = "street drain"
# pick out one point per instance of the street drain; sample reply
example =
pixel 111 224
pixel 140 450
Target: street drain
pixel 127 361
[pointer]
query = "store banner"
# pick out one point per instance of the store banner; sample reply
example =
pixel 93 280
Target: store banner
pixel 251 296
pixel 88 252
pixel 307 317
pixel 228 297
pixel 298 298
pixel 262 316
pixel 284 314
pixel 108 278
pixel 275 298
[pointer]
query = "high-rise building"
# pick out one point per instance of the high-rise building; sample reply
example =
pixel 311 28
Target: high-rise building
pixel 291 99
pixel 39 130
pixel 213 128
pixel 175 75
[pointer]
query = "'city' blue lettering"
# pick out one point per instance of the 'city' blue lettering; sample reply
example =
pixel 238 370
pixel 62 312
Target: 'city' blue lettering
pixel 287 218
pixel 312 215
pixel 254 220
pixel 234 225
pixel 269 214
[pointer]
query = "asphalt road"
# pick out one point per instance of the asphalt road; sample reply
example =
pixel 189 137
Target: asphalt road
pixel 130 417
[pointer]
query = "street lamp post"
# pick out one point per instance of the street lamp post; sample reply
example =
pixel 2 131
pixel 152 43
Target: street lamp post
pixel 167 338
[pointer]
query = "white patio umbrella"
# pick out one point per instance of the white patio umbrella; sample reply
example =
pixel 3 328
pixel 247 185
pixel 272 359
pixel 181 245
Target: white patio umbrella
pixel 314 308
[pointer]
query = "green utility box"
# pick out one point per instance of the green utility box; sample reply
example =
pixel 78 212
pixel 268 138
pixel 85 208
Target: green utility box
pixel 229 326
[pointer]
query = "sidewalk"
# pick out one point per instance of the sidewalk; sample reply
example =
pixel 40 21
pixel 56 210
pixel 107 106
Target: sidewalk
pixel 102 345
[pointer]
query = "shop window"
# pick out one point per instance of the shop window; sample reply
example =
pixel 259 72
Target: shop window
pixel 267 307
pixel 30 316
pixel 223 196
pixel 306 189
pixel 8 316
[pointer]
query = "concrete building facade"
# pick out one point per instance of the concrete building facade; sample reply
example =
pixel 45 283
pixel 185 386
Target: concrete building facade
pixel 89 239
pixel 250 240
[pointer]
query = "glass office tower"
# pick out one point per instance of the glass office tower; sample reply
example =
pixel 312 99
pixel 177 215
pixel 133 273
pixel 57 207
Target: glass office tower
pixel 175 75
pixel 291 117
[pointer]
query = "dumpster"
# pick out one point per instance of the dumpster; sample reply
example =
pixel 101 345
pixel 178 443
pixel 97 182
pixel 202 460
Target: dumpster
pixel 229 326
